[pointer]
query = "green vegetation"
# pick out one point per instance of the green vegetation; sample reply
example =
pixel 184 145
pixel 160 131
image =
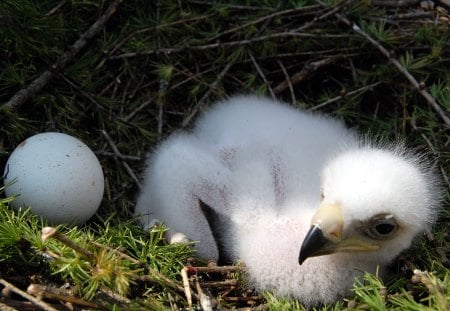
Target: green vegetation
pixel 153 66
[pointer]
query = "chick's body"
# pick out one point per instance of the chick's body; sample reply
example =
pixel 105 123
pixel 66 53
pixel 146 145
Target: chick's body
pixel 264 168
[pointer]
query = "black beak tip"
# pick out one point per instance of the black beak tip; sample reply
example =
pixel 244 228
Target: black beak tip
pixel 301 258
pixel 312 244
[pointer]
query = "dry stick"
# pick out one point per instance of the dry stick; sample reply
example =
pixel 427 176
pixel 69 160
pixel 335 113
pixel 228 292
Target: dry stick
pixel 431 147
pixel 232 6
pixel 89 96
pixel 217 269
pixel 306 71
pixel 332 11
pixel 5 307
pixel 430 99
pixel 444 175
pixel 445 3
pixel 279 35
pixel 114 296
pixel 226 283
pixel 134 112
pixel 119 154
pixel 261 73
pixel 205 300
pixel 56 294
pixel 32 299
pixel 267 17
pixel 202 100
pixel 50 232
pixel 186 286
pixel 288 81
pixel 149 29
pixel 395 4
pixel 56 8
pixel 332 100
pixel 39 83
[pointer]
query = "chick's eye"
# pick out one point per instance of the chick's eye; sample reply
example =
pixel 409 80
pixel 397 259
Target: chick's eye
pixel 381 227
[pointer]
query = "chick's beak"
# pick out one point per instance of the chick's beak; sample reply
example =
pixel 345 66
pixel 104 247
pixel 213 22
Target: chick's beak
pixel 325 236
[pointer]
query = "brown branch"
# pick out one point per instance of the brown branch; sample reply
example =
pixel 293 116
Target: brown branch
pixel 334 99
pixel 395 3
pixel 150 30
pixel 217 269
pixel 30 298
pixel 428 97
pixel 42 291
pixel 40 82
pixel 279 35
pixel 120 156
pixel 50 232
pixel 288 81
pixel 261 73
pixel 325 15
pixel 264 18
pixel 307 70
pixel 9 304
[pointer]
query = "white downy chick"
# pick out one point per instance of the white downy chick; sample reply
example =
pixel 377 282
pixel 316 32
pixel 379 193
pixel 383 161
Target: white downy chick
pixel 304 202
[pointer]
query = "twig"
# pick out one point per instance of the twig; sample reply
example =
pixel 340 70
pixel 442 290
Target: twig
pixel 48 292
pixel 39 83
pixel 156 277
pixel 32 299
pixel 113 296
pixel 306 71
pixel 266 17
pixel 56 8
pixel 445 3
pixel 119 154
pixel 118 253
pixel 332 100
pixel 261 73
pixel 325 15
pixel 5 307
pixel 445 176
pixel 216 269
pixel 232 6
pixel 430 99
pixel 163 85
pixel 50 232
pixel 225 283
pixel 288 81
pixel 279 35
pixel 202 100
pixel 396 3
pixel 134 112
pixel 246 299
pixel 89 96
pixel 186 286
pixel 150 30
pixel 413 15
pixel 205 300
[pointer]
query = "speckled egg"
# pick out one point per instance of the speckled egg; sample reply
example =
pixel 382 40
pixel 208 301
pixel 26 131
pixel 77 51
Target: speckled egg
pixel 57 176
